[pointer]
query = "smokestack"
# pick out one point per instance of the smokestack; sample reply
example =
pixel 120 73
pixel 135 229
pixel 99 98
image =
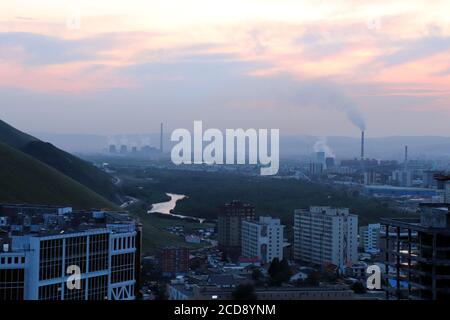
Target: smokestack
pixel 362 145
pixel 161 139
pixel 406 155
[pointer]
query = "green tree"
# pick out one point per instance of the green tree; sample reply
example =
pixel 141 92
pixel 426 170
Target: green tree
pixel 244 292
pixel 358 288
pixel 274 267
pixel 256 275
pixel 313 279
pixel 280 272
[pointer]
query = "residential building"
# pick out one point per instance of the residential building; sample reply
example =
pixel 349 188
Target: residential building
pixel 324 235
pixel 203 291
pixel 369 238
pixel 417 266
pixel 263 239
pixel 174 260
pixel 229 225
pixel 42 246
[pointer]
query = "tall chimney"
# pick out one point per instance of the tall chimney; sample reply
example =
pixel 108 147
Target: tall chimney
pixel 362 145
pixel 161 139
pixel 406 155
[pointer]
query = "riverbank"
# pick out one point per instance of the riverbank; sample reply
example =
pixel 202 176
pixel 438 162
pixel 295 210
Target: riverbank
pixel 167 208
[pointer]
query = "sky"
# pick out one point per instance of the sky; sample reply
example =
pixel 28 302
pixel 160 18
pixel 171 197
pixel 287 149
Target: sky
pixel 305 67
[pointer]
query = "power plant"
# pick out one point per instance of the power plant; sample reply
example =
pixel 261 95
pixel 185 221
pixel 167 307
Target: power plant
pixel 138 145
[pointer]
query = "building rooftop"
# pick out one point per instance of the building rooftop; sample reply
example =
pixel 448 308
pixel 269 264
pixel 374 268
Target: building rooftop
pixel 434 218
pixel 40 220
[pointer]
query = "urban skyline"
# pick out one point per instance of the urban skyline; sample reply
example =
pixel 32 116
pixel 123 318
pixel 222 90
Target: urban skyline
pixel 241 150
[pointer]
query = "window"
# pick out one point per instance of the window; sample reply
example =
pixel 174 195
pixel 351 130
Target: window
pixel 50 254
pixel 98 252
pixel 122 268
pixel 76 250
pixel 11 284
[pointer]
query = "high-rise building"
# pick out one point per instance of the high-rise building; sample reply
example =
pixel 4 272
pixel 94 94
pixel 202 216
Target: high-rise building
pixel 229 225
pixel 41 248
pixel 417 265
pixel 369 238
pixel 324 235
pixel 174 260
pixel 263 239
pixel 443 183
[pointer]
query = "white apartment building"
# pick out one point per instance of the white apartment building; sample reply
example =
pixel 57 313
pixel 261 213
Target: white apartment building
pixel 263 239
pixel 38 260
pixel 324 235
pixel 369 238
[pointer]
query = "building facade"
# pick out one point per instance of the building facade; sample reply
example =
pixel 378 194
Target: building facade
pixel 63 261
pixel 418 264
pixel 263 239
pixel 229 225
pixel 174 260
pixel 324 235
pixel 369 238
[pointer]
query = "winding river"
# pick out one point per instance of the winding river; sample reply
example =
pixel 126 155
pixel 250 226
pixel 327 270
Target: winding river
pixel 168 206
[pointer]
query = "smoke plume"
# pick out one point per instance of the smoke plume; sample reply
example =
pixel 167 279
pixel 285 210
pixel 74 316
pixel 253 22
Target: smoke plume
pixel 327 95
pixel 321 145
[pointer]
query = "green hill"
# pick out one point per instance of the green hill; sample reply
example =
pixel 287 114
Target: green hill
pixel 25 179
pixel 13 137
pixel 75 168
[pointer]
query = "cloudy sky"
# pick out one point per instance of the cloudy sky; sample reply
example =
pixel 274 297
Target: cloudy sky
pixel 307 67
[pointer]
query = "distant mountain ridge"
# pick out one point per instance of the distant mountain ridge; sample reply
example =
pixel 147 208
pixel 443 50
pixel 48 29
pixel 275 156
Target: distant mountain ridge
pixel 290 146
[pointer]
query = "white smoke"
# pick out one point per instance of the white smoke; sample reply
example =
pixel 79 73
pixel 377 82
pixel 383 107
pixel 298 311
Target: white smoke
pixel 327 95
pixel 321 145
pixel 355 117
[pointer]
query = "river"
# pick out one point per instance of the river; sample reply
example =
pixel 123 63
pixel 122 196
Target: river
pixel 168 206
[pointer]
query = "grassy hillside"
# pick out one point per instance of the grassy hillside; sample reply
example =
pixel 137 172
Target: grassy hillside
pixel 25 179
pixel 77 169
